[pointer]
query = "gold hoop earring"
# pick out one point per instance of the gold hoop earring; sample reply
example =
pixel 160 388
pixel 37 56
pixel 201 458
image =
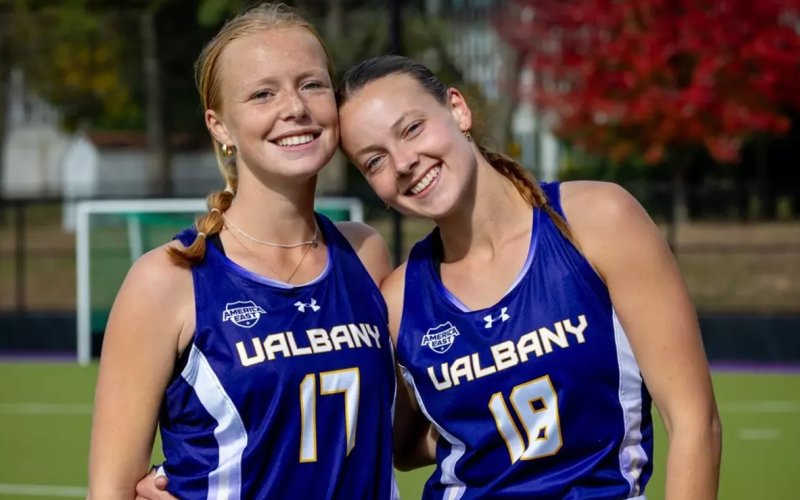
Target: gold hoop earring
pixel 227 151
pixel 467 135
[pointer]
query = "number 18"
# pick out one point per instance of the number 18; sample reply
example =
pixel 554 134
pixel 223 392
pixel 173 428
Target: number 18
pixel 536 405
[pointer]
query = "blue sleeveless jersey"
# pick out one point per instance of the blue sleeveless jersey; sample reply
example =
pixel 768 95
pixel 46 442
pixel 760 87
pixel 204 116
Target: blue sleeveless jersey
pixel 538 396
pixel 287 391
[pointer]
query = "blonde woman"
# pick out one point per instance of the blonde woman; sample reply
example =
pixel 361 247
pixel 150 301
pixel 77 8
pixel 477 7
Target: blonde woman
pixel 257 339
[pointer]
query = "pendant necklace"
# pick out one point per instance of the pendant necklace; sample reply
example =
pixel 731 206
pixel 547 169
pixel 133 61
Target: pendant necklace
pixel 309 245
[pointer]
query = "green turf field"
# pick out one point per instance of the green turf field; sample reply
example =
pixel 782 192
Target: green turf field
pixel 45 415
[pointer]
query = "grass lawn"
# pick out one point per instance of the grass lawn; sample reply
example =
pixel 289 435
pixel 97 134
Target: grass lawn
pixel 45 416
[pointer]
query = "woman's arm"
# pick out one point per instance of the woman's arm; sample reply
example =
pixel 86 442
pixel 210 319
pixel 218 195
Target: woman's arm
pixel 147 328
pixel 414 437
pixel 650 298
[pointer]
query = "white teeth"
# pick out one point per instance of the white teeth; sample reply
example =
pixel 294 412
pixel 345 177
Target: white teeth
pixel 295 140
pixel 425 181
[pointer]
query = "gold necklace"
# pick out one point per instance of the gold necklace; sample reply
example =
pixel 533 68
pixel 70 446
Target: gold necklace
pixel 314 241
pixel 272 269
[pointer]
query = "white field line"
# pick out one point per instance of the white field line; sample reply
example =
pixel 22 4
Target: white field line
pixel 42 490
pixel 45 409
pixel 759 434
pixel 773 407
pixel 776 406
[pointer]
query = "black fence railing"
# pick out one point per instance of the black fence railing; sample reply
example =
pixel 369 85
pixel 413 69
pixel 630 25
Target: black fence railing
pixel 743 271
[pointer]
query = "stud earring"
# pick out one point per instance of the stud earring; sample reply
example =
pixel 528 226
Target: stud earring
pixel 467 135
pixel 227 151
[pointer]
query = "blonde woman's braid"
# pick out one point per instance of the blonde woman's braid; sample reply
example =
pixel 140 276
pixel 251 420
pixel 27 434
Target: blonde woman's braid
pixel 207 225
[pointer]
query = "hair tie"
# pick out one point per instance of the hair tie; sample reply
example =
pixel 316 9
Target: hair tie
pixel 547 208
pixel 201 234
pixel 215 209
pixel 229 189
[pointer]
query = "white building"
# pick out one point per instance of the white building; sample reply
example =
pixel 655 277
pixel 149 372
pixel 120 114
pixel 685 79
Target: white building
pixel 33 146
pixel 41 160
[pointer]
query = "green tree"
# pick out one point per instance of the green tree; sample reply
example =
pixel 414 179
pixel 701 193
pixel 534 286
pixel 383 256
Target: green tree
pixel 666 81
pixel 70 55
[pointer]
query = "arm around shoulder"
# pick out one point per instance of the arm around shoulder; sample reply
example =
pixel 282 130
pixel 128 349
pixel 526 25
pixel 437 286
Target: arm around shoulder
pixel 653 305
pixel 414 438
pixel 150 316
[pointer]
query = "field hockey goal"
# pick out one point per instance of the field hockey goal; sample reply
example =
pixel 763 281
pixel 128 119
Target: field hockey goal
pixel 111 234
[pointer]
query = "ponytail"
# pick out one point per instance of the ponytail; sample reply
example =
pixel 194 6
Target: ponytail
pixel 207 225
pixel 528 187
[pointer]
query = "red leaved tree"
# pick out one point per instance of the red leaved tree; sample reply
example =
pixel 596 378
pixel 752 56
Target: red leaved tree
pixel 658 78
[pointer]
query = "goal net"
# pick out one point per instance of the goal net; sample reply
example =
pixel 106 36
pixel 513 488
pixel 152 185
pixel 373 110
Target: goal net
pixel 111 234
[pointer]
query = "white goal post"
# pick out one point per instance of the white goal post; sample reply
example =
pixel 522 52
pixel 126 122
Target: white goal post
pixel 132 210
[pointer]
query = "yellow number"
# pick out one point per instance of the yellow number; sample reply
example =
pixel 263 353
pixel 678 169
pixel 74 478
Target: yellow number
pixel 347 381
pixel 536 405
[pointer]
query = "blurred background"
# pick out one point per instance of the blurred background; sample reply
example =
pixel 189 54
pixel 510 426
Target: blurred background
pixel 693 106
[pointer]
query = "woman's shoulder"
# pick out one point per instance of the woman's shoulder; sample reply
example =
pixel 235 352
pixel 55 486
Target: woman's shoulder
pixel 157 272
pixel 595 208
pixel 393 290
pixel 370 247
pixel 159 260
pixel 356 232
pixel 155 301
pixel 156 280
pixel 605 219
pixel 590 200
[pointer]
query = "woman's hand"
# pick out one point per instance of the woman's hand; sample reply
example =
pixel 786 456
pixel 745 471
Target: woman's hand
pixel 153 487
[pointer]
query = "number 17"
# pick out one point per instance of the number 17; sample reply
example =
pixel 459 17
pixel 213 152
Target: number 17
pixel 347 381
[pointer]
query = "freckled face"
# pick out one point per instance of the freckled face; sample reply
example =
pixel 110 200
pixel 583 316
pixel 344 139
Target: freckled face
pixel 409 146
pixel 277 103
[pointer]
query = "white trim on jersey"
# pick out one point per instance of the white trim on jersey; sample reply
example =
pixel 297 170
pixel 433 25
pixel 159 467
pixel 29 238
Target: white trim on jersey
pixel 632 457
pixel 224 482
pixel 455 487
pixel 395 494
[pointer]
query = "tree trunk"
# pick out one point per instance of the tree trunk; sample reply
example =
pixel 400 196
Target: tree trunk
pixel 679 211
pixel 159 175
pixel 5 71
pixel 333 178
pixel 680 207
pixel 508 100
pixel 740 194
pixel 765 201
pixel 334 22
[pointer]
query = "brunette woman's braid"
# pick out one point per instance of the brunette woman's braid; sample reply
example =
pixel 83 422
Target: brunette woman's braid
pixel 528 187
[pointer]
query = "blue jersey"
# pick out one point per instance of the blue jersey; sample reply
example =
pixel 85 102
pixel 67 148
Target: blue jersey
pixel 287 391
pixel 538 396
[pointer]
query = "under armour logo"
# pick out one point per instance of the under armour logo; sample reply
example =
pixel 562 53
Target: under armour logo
pixel 502 318
pixel 301 306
